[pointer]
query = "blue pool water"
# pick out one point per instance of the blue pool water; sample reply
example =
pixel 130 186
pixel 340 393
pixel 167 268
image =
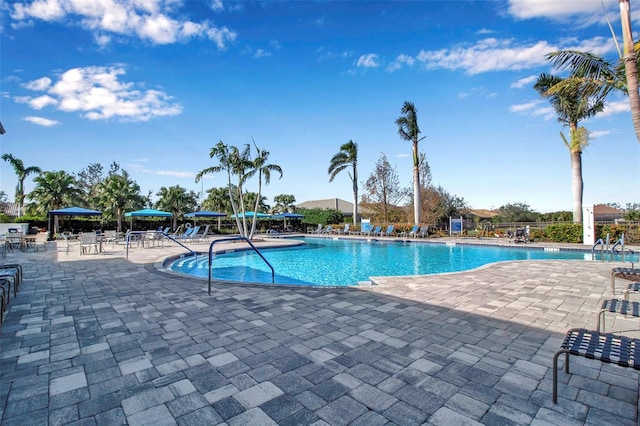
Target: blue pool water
pixel 344 262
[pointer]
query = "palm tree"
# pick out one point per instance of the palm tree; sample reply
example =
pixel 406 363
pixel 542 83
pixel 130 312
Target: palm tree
pixel 21 172
pixel 345 158
pixel 598 76
pixel 53 190
pixel 233 162
pixel 284 203
pixel 260 166
pixel 117 192
pixel 218 200
pixel 408 130
pixel 571 108
pixel 176 200
pixel 630 65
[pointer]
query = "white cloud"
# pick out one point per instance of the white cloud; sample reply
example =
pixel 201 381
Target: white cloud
pixel 524 107
pixel 41 121
pixel 492 54
pixel 526 81
pixel 151 20
pixel 216 5
pixel 98 94
pixel 174 173
pixel 400 61
pixel 598 133
pixel 39 84
pixel 487 55
pixel 526 9
pixel 370 60
pixel 615 107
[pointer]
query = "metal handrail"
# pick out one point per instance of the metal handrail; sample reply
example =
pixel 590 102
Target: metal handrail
pixel 273 273
pixel 128 240
pixel 620 242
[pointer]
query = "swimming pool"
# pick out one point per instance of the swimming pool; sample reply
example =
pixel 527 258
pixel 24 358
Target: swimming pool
pixel 347 262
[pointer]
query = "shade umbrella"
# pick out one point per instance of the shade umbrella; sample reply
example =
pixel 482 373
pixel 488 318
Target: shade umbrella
pixel 251 214
pixel 205 213
pixel 287 215
pixel 70 211
pixel 146 213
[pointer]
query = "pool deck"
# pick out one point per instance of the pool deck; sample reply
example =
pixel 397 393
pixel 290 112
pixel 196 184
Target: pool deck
pixel 98 339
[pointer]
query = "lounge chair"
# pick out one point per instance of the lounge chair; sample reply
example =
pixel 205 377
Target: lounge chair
pixel 327 230
pixel 388 232
pixel 411 233
pixel 377 230
pixel 424 232
pixel 343 231
pixel 318 230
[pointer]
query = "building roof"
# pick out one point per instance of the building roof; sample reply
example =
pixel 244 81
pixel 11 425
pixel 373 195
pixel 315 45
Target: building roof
pixel 603 209
pixel 330 203
pixel 484 213
pixel 10 209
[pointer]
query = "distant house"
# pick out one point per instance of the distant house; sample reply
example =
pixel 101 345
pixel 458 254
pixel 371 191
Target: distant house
pixel 331 203
pixel 604 213
pixel 10 209
pixel 483 214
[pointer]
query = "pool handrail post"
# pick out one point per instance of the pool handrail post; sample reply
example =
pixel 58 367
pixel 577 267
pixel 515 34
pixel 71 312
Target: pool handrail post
pixel 238 238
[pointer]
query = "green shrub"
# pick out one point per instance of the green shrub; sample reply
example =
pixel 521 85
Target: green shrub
pixel 565 233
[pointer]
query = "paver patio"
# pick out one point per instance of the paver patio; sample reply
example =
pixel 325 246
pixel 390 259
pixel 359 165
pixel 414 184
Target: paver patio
pixel 98 339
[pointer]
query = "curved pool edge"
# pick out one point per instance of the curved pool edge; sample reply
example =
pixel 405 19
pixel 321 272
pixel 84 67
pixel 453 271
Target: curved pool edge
pixel 162 264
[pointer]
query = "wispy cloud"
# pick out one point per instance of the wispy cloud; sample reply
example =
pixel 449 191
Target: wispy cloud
pixel 524 107
pixel 615 107
pixel 400 61
pixel 41 121
pixel 599 133
pixel 492 54
pixel 157 21
pixel 527 9
pixel 370 60
pixel 526 81
pixel 98 94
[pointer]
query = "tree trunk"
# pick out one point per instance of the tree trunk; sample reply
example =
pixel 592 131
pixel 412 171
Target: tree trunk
pixel 630 65
pixel 576 184
pixel 355 197
pixel 416 185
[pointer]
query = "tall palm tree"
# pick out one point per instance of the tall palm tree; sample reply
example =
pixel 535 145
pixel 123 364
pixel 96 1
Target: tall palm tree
pixel 571 108
pixel 346 158
pixel 260 166
pixel 234 162
pixel 408 130
pixel 53 190
pixel 598 76
pixel 117 192
pixel 21 172
pixel 630 65
pixel 177 200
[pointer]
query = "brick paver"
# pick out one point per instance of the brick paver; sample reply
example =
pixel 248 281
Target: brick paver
pixel 97 339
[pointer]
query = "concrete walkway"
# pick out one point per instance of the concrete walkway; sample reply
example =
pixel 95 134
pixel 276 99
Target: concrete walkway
pixel 97 339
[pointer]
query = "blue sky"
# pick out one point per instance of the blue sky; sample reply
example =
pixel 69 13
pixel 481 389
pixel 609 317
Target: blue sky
pixel 153 85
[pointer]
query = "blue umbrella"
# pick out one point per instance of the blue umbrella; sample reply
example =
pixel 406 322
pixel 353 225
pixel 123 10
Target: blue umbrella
pixel 204 213
pixel 288 216
pixel 251 214
pixel 148 213
pixel 74 211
